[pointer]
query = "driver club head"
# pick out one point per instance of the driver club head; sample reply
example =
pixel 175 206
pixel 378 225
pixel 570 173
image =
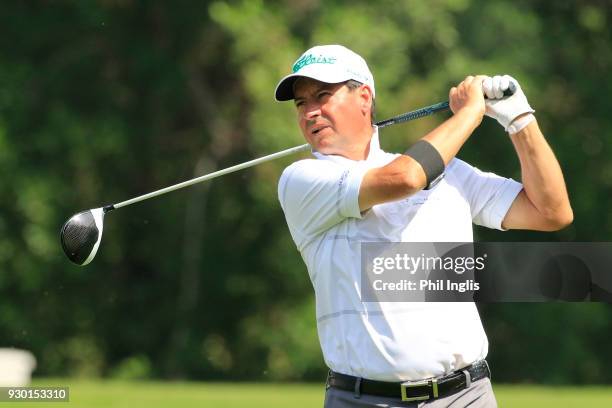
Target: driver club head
pixel 81 235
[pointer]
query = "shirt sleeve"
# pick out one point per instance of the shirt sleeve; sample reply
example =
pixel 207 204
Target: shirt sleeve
pixel 489 195
pixel 318 194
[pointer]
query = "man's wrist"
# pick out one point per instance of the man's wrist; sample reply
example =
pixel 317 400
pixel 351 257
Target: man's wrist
pixel 520 123
pixel 472 115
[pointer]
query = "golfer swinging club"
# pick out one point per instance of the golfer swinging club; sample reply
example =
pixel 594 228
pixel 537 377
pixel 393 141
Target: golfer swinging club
pixel 403 354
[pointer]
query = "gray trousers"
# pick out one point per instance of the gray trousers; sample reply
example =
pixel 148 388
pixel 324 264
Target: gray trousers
pixel 479 395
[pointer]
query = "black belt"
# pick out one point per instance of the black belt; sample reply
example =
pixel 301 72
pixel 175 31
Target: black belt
pixel 422 390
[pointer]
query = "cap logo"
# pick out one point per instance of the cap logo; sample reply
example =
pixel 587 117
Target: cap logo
pixel 311 59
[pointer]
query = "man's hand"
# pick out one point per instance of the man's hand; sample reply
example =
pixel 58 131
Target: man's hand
pixel 468 95
pixel 506 110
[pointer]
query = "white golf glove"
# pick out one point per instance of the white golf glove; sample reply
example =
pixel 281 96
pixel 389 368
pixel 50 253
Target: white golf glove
pixel 506 110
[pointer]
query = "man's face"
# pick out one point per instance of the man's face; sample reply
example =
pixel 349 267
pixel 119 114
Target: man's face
pixel 332 117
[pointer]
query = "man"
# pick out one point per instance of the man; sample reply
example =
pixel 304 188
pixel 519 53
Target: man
pixel 428 354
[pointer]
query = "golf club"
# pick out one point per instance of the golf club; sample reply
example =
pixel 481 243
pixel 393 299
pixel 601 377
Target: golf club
pixel 82 233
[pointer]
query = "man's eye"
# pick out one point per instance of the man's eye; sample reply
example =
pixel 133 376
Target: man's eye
pixel 298 103
pixel 323 94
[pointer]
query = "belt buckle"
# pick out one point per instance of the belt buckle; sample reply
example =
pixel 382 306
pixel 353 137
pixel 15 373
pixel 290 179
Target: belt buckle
pixel 411 384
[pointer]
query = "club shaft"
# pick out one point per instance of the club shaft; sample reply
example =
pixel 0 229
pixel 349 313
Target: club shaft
pixel 404 117
pixel 416 114
pixel 213 175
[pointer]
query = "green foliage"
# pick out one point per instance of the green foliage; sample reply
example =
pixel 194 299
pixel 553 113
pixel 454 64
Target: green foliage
pixel 102 101
pixel 133 368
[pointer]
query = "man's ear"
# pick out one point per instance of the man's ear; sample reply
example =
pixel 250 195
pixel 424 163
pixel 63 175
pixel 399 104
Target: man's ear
pixel 365 95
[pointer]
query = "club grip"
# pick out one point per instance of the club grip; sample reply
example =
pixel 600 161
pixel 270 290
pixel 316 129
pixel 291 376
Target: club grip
pixel 510 91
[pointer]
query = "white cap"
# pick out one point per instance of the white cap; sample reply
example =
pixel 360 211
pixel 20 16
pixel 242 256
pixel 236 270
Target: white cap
pixel 326 63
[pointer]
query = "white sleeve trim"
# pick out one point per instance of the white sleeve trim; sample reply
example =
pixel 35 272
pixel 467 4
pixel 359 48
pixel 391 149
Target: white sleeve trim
pixel 502 203
pixel 349 207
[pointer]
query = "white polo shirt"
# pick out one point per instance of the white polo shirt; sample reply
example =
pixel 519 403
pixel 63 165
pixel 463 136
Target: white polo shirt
pixel 387 341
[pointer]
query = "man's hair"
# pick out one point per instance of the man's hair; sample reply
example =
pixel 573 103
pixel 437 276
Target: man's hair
pixel 351 85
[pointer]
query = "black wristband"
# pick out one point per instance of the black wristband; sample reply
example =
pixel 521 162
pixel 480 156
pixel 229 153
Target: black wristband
pixel 429 159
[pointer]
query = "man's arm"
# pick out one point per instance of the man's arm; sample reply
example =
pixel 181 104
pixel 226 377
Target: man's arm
pixel 404 176
pixel 543 204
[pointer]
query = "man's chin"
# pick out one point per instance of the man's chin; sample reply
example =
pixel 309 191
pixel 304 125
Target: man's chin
pixel 326 149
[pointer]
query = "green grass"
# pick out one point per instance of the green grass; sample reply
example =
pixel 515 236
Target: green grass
pixel 121 394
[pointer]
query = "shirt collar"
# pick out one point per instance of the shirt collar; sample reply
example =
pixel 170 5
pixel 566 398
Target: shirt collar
pixel 374 152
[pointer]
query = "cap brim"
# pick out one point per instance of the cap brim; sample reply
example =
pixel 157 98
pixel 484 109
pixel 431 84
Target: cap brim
pixel 284 89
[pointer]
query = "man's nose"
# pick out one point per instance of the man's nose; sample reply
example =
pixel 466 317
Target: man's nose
pixel 312 110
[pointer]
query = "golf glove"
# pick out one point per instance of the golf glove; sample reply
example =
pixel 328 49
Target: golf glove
pixel 506 110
